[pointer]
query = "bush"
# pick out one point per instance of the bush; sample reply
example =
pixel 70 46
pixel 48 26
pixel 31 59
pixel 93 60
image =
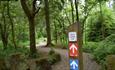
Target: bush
pixel 53 57
pixel 105 47
pixel 89 47
pixel 43 64
pixel 10 50
pixel 51 52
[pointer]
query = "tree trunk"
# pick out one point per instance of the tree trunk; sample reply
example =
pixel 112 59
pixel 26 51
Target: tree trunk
pixel 32 35
pixel 4 36
pixel 77 14
pixel 31 15
pixel 72 12
pixel 47 23
pixel 12 25
pixel 55 32
pixel 4 32
pixel 101 15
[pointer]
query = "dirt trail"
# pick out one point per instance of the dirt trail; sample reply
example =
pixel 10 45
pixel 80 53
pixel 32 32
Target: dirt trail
pixel 89 64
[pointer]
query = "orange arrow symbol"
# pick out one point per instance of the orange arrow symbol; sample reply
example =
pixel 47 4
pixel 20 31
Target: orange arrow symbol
pixel 73 48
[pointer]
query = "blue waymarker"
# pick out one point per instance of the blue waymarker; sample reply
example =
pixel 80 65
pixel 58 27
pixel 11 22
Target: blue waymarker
pixel 74 64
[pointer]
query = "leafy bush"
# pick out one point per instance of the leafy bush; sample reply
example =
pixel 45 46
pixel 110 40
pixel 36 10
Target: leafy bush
pixel 54 57
pixel 89 47
pixel 10 50
pixel 105 47
pixel 43 64
pixel 101 50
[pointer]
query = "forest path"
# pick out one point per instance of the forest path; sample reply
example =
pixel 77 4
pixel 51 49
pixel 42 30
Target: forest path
pixel 89 63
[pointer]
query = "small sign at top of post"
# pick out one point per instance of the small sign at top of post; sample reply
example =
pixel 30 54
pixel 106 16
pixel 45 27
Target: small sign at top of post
pixel 72 36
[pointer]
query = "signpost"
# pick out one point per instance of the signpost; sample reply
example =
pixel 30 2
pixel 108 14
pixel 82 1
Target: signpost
pixel 75 44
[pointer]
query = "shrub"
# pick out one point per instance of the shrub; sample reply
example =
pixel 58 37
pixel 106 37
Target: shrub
pixel 53 57
pixel 105 47
pixel 43 64
pixel 10 50
pixel 89 47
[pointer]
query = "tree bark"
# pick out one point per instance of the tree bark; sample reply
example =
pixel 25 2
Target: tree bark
pixel 48 29
pixel 31 16
pixel 72 12
pixel 55 32
pixel 32 36
pixel 3 30
pixel 31 26
pixel 77 14
pixel 101 15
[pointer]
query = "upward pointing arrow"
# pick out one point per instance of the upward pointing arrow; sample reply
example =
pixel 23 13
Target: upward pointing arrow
pixel 73 47
pixel 74 65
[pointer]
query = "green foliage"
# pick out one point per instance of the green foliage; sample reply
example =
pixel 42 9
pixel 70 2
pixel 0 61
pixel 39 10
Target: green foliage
pixel 54 57
pixel 98 31
pixel 11 50
pixel 43 64
pixel 100 26
pixel 106 47
pixel 51 52
pixel 89 47
pixel 101 50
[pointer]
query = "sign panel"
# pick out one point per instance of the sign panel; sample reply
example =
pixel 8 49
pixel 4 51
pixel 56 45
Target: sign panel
pixel 72 36
pixel 74 64
pixel 73 49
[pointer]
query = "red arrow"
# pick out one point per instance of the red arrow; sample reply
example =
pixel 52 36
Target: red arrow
pixel 73 48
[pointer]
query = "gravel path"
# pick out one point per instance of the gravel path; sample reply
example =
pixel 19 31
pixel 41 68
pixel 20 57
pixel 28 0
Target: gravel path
pixel 89 64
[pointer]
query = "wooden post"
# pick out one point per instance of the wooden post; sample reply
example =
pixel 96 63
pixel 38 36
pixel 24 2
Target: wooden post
pixel 80 43
pixel 80 35
pixel 75 41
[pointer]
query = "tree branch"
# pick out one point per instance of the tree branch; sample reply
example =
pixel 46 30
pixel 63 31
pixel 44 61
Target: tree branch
pixel 25 8
pixel 36 11
pixel 88 13
pixel 33 6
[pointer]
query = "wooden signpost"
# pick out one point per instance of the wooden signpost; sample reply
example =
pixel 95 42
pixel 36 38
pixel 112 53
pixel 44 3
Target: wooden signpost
pixel 75 47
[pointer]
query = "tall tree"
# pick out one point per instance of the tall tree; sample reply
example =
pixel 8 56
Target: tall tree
pixel 102 19
pixel 77 12
pixel 12 25
pixel 31 13
pixel 72 10
pixel 48 29
pixel 4 27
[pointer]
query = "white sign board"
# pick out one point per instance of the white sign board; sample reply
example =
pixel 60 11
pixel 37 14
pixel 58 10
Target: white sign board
pixel 72 36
